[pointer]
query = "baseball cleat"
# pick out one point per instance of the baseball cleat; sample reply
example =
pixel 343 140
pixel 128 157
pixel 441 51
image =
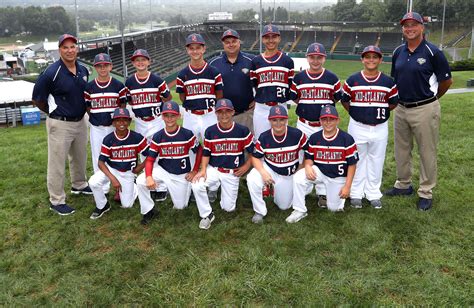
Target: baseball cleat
pixel 62 209
pixel 322 201
pixel 212 195
pixel 424 204
pixel 296 216
pixel 146 219
pixel 161 195
pixel 257 218
pixel 399 191
pixel 99 212
pixel 376 204
pixel 85 191
pixel 356 203
pixel 205 223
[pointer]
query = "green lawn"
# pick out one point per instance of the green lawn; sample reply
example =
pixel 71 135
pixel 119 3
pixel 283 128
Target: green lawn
pixel 396 255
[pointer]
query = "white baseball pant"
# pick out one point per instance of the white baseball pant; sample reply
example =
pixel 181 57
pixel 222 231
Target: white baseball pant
pixel 282 190
pixel 127 180
pixel 229 184
pixel 148 128
pixel 303 186
pixel 371 144
pixel 308 131
pixel 199 123
pixel 179 189
pixel 97 135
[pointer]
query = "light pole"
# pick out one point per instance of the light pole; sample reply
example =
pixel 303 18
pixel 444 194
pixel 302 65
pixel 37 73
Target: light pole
pixel 124 66
pixel 261 26
pixel 442 26
pixel 151 18
pixel 77 19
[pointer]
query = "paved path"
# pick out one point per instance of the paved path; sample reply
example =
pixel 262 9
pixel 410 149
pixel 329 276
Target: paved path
pixel 460 90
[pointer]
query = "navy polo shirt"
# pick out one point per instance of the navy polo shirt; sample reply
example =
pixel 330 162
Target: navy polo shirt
pixel 418 73
pixel 62 90
pixel 236 78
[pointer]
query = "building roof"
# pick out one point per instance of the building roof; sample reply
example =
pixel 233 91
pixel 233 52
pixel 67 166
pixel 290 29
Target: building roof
pixel 15 91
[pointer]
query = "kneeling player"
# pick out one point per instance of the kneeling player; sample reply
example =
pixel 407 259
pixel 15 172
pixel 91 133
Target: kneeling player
pixel 279 147
pixel 172 146
pixel 117 163
pixel 223 161
pixel 330 159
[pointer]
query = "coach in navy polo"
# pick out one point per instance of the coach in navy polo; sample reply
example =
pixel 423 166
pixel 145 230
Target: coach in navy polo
pixel 59 92
pixel 234 67
pixel 422 74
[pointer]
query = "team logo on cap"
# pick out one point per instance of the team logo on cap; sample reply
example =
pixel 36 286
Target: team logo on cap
pixel 277 110
pixel 316 48
pixel 327 109
pixel 193 38
pixel 101 57
pixel 269 28
pixel 228 32
pixel 169 106
pixel 421 61
pixel 224 104
pixel 410 15
pixel 122 112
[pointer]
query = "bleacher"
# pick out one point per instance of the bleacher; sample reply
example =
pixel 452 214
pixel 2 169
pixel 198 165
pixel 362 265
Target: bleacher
pixel 166 46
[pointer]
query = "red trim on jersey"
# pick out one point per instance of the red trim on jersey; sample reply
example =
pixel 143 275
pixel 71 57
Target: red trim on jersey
pixel 279 53
pixel 102 85
pixel 144 80
pixel 200 70
pixel 371 80
pixel 317 77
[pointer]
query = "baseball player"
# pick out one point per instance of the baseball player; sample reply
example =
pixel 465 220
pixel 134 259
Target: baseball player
pixel 369 96
pixel 170 147
pixel 224 159
pixel 102 95
pixel 271 73
pixel 312 89
pixel 330 158
pixel 199 86
pixel 280 149
pixel 147 91
pixel 118 164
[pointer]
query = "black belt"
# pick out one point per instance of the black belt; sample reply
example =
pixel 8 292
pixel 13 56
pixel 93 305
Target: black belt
pixel 418 103
pixel 67 119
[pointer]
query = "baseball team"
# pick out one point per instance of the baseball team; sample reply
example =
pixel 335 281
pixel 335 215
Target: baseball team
pixel 235 124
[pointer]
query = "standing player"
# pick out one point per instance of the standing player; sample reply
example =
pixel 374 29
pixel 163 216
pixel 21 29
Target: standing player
pixel 280 148
pixel 102 95
pixel 312 89
pixel 272 73
pixel 147 91
pixel 369 96
pixel 171 146
pixel 224 160
pixel 199 86
pixel 330 158
pixel 118 164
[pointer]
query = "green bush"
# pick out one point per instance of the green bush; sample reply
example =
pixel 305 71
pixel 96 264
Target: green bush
pixel 463 65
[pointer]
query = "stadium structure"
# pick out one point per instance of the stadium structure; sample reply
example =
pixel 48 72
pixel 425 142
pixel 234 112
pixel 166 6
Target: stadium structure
pixel 343 40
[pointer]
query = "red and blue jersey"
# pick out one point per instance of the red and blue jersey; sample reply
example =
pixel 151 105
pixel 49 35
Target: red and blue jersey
pixel 281 154
pixel 370 99
pixel 226 148
pixel 332 155
pixel 172 149
pixel 272 77
pixel 146 94
pixel 122 153
pixel 313 92
pixel 103 99
pixel 199 86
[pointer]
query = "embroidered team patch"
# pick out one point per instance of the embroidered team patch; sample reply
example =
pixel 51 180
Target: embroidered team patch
pixel 421 61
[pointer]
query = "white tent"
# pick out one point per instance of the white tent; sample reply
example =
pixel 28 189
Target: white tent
pixel 16 91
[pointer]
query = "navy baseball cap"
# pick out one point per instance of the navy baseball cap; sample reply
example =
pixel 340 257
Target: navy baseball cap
pixel 224 103
pixel 278 112
pixel 316 49
pixel 270 29
pixel 230 33
pixel 140 53
pixel 170 107
pixel 373 49
pixel 66 36
pixel 412 16
pixel 329 111
pixel 102 58
pixel 121 113
pixel 195 38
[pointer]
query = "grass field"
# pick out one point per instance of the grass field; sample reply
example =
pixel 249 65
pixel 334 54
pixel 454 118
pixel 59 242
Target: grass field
pixel 396 255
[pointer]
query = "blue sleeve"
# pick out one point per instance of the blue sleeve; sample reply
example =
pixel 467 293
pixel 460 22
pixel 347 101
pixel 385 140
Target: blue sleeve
pixel 42 88
pixel 441 66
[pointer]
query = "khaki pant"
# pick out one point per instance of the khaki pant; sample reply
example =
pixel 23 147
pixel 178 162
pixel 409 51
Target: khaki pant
pixel 245 119
pixel 422 123
pixel 66 140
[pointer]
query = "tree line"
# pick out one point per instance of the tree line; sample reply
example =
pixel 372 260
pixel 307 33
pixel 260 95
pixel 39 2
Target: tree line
pixel 457 11
pixel 35 20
